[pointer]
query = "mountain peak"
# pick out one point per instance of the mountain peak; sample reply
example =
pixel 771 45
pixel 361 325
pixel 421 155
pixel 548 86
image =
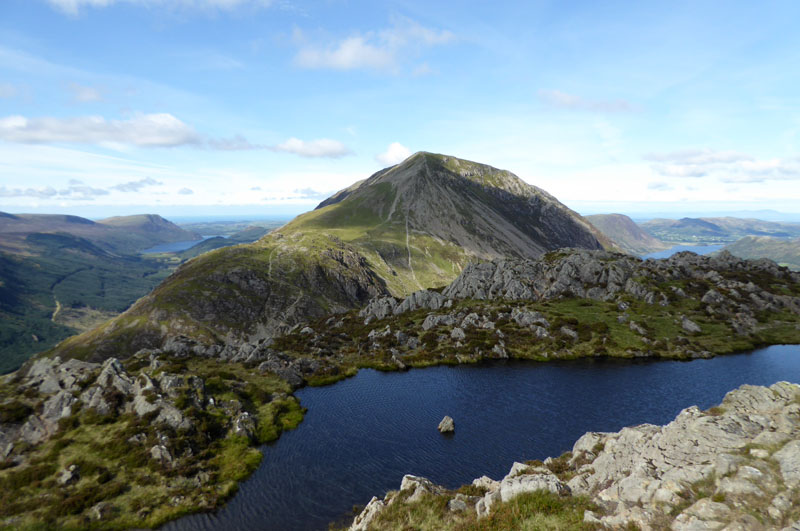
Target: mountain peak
pixel 464 209
pixel 411 226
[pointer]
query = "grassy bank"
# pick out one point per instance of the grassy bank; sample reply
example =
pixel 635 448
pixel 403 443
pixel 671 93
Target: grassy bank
pixel 121 483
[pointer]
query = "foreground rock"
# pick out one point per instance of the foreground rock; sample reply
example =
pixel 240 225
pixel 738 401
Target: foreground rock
pixel 76 437
pixel 736 466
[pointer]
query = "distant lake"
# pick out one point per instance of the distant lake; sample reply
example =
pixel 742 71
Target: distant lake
pixel 174 247
pixel 361 435
pixel 698 249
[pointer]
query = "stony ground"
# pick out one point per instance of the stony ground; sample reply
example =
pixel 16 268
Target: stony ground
pixel 173 429
pixel 120 445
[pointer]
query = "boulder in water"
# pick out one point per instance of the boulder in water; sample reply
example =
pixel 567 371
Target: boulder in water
pixel 447 425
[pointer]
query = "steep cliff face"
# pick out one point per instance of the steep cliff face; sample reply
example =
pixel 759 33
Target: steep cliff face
pixel 484 210
pixel 412 226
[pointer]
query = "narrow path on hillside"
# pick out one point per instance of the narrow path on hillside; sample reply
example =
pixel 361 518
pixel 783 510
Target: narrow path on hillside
pixel 408 247
pixel 56 283
pixel 269 269
pixel 58 309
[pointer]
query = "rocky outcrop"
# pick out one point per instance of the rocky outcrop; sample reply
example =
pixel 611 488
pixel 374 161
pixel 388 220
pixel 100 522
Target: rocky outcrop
pixel 108 389
pixel 731 290
pixel 520 479
pixel 447 425
pixel 603 275
pixel 736 466
pixel 383 307
pixel 51 375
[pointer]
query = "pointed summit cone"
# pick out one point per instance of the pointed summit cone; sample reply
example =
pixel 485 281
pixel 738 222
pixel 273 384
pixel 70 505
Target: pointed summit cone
pixel 407 227
pixel 434 213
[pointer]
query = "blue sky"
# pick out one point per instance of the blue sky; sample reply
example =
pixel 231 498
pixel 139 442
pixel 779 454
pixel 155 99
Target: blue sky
pixel 254 106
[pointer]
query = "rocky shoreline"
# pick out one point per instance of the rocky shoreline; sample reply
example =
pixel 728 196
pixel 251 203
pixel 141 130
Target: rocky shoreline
pixel 134 443
pixel 733 467
pixel 193 411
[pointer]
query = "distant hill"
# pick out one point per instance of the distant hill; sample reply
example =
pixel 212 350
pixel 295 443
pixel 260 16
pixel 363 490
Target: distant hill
pixel 783 251
pixel 120 235
pixel 711 231
pixel 231 227
pixel 63 285
pixel 629 236
pixel 409 226
pixel 247 235
pixel 61 275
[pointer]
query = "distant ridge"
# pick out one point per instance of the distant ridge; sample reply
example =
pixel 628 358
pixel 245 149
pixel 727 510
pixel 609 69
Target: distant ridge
pixel 121 235
pixel 623 231
pixel 717 230
pixel 780 250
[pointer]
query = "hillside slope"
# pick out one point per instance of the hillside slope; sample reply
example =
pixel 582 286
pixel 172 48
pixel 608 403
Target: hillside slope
pixel 783 251
pixel 194 415
pixel 410 226
pixel 61 275
pixel 247 235
pixel 61 286
pixel 629 236
pixel 716 230
pixel 120 235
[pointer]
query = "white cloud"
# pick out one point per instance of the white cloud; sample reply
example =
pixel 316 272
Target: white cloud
pixel 562 100
pixel 394 154
pixel 323 147
pixel 726 166
pixel 147 130
pixel 678 170
pixel 236 143
pixel 144 130
pixel 660 186
pixel 698 156
pixel 78 192
pixel 185 191
pixel 759 171
pixel 73 7
pixel 135 186
pixel 349 54
pixel 83 94
pixel 7 90
pixel 376 50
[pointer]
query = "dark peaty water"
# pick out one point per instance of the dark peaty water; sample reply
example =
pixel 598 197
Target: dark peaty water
pixel 362 435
